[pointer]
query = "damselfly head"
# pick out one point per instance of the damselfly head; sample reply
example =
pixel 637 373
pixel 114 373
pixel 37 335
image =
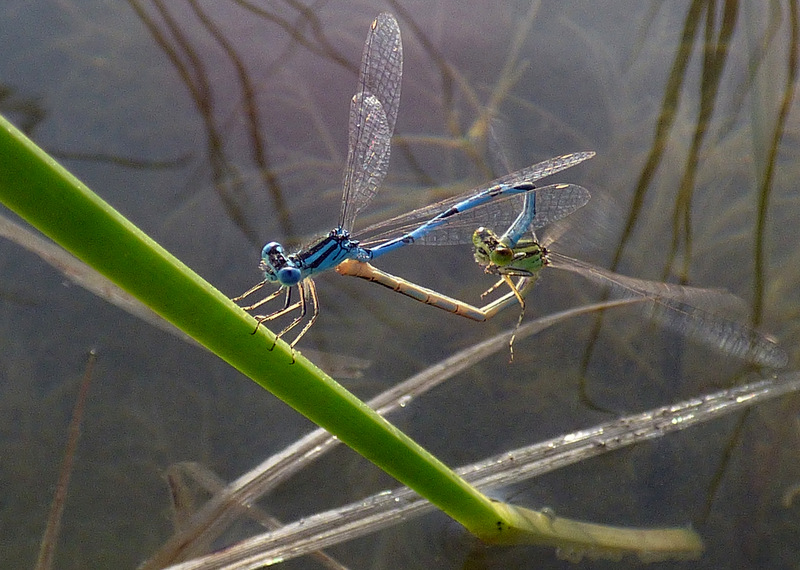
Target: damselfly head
pixel 484 241
pixel 277 267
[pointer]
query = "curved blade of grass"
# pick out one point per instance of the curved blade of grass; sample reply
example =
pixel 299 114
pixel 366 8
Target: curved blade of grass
pixel 45 194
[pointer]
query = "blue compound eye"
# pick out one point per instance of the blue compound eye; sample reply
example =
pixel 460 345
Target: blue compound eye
pixel 277 267
pixel 271 249
pixel 289 276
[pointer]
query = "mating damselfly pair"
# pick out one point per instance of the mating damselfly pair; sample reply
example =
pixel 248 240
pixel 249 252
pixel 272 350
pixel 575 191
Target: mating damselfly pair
pixel 510 204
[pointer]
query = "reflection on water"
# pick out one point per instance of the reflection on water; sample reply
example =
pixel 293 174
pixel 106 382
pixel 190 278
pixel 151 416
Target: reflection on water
pixel 696 140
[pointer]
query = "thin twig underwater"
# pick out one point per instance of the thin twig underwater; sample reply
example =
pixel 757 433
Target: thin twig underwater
pixel 47 548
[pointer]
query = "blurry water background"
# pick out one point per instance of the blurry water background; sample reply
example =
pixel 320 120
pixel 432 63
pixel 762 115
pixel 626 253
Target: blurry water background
pixel 218 126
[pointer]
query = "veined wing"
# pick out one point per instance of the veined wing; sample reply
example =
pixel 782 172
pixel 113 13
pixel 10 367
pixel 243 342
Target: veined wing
pixel 370 131
pixel 370 142
pixel 506 213
pixel 382 65
pixel 678 308
pixel 554 202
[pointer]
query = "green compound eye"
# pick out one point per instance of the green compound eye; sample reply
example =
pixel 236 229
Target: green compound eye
pixel 484 241
pixel 502 256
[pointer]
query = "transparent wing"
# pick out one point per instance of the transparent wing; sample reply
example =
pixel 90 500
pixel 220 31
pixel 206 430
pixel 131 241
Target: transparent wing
pixel 370 140
pixel 552 203
pixel 504 214
pixel 382 65
pixel 370 131
pixel 677 308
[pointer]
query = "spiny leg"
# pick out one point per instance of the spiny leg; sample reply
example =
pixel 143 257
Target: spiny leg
pixel 249 292
pixel 510 283
pixel 492 288
pixel 308 292
pixel 505 274
pixel 288 307
pixel 523 286
pixel 265 300
pixel 517 294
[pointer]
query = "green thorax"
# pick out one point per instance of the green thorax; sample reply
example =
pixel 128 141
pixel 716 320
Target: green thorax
pixel 526 258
